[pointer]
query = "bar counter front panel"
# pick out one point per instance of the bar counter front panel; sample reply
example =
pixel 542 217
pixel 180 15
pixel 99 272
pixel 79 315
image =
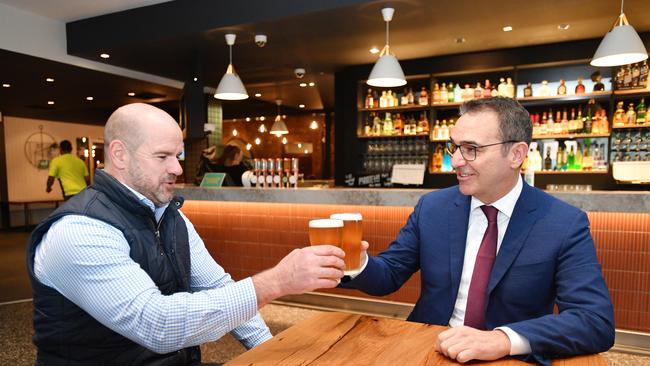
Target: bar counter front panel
pixel 247 232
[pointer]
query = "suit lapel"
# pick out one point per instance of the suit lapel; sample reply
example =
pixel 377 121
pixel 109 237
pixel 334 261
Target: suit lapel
pixel 521 222
pixel 458 216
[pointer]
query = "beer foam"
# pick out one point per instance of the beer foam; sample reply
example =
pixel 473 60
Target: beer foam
pixel 347 216
pixel 325 223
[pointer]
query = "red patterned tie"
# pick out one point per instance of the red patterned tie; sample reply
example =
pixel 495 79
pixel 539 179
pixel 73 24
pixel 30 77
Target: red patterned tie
pixel 477 296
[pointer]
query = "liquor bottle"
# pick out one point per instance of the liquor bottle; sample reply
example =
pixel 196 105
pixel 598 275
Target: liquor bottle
pixel 510 88
pixel 572 121
pixel 619 115
pixel 383 102
pixel 435 131
pixel 599 86
pixel 630 116
pixel 561 89
pixel 578 157
pixel 557 128
pixel 543 127
pixel 450 93
pixel 571 157
pixel 446 162
pixel 535 120
pixel 398 125
pixel 550 123
pixel 587 122
pixel 587 159
pixel 411 97
pixel 596 122
pixel 641 112
pixel 369 102
pixel 620 73
pixel 388 125
pixel 390 100
pixel 494 92
pixel 437 158
pixel 367 125
pixel 375 99
pixel 404 100
pixel 377 126
pixel 580 88
pixel 487 91
pixel 502 89
pixel 528 90
pixel 478 91
pixel 564 122
pixel 560 159
pixel 643 76
pixel 627 78
pixel 436 94
pixel 444 130
pixel 450 127
pixel 423 124
pixel 580 123
pixel 443 93
pixel 424 97
pixel 636 71
pixel 413 125
pixel 468 93
pixel 544 90
pixel 548 162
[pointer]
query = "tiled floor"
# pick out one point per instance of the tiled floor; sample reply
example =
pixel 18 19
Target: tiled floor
pixel 16 331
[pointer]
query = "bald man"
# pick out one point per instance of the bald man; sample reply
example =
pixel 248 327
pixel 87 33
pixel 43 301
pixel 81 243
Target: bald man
pixel 120 276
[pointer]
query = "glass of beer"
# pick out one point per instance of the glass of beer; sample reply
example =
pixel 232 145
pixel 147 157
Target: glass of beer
pixel 325 231
pixel 351 242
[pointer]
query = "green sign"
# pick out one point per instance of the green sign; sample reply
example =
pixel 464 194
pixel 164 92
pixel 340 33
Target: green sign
pixel 213 180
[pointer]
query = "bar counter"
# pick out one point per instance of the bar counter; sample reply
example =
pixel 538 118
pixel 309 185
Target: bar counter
pixel 249 230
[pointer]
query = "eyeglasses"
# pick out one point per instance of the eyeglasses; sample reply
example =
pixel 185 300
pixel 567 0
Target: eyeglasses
pixel 468 152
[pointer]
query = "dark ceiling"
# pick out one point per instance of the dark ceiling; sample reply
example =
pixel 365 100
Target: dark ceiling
pixel 181 40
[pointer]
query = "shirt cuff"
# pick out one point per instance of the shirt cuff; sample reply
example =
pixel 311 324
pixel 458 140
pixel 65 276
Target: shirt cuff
pixel 365 263
pixel 241 300
pixel 519 345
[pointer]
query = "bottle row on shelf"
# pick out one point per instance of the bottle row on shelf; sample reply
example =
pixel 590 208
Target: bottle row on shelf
pixel 441 94
pixel 632 76
pixel 594 122
pixel 630 145
pixel 374 125
pixel 633 117
pixel 580 155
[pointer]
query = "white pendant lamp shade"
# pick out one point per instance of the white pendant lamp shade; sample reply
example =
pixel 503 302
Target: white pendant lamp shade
pixel 386 72
pixel 621 45
pixel 279 128
pixel 231 87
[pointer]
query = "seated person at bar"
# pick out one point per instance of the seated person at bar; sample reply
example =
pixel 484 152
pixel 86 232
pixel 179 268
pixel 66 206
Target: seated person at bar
pixel 120 276
pixel 496 255
pixel 230 162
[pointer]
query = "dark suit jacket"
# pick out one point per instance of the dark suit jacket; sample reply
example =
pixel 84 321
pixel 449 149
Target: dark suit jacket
pixel 547 257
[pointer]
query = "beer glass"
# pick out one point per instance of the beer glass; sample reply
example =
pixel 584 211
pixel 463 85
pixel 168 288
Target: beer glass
pixel 351 242
pixel 325 231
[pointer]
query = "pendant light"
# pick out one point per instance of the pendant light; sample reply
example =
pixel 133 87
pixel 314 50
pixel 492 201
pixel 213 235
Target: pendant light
pixel 387 72
pixel 621 45
pixel 279 128
pixel 230 87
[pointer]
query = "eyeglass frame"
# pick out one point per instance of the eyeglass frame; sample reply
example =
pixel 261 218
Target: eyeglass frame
pixel 460 147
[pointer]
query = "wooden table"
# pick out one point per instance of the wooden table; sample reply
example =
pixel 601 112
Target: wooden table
pixel 350 339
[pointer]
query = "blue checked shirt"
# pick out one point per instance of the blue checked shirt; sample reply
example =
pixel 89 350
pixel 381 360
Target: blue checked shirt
pixel 88 262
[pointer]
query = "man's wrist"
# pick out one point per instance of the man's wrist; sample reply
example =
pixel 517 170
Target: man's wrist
pixel 519 345
pixel 267 287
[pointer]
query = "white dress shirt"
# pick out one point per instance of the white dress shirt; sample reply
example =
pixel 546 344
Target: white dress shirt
pixel 88 262
pixel 475 230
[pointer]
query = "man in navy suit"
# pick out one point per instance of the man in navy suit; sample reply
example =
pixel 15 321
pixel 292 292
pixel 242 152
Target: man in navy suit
pixel 542 255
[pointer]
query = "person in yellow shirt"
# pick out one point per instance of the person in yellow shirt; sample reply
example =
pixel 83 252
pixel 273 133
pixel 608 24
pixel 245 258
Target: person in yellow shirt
pixel 70 170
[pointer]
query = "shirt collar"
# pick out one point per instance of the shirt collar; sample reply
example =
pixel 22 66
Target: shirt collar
pixel 157 211
pixel 505 204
